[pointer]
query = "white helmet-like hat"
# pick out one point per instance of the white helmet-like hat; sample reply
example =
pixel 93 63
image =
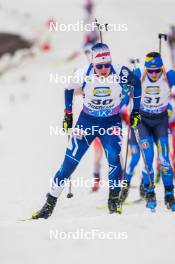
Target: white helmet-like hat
pixel 100 53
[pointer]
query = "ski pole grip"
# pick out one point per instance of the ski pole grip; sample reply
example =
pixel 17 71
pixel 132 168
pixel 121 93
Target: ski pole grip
pixel 134 60
pixel 161 35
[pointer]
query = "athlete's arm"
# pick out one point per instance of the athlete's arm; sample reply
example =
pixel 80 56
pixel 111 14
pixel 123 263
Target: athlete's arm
pixel 171 77
pixel 74 85
pixel 137 88
pixel 134 81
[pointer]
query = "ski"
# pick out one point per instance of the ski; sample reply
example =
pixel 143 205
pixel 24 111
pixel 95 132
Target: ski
pixel 25 219
pixel 134 201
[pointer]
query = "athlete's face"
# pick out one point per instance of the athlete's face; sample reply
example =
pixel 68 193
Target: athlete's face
pixel 154 74
pixel 103 69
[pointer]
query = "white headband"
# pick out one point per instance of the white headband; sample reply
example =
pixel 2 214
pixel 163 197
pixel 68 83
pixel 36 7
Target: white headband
pixel 100 57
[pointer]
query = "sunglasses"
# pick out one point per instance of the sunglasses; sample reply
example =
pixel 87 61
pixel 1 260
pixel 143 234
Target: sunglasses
pixel 151 71
pixel 100 66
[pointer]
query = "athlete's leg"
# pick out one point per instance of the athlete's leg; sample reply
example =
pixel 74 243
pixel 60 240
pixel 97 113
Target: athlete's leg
pixel 148 148
pixel 112 147
pixel 161 135
pixel 147 143
pixel 161 138
pixel 146 140
pixel 98 154
pixel 78 145
pixel 165 166
pixel 172 137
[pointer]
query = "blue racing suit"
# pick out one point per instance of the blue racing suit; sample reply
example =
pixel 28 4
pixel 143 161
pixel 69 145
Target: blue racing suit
pixel 153 127
pixel 99 118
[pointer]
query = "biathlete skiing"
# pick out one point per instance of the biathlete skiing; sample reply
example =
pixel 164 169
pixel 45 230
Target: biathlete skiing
pixel 153 128
pixel 102 101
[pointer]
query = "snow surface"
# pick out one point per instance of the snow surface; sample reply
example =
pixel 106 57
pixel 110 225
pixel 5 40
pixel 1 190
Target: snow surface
pixel 30 156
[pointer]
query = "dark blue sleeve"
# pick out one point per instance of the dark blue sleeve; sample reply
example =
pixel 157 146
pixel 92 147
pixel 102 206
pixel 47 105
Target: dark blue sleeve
pixel 137 73
pixel 171 77
pixel 133 81
pixel 68 98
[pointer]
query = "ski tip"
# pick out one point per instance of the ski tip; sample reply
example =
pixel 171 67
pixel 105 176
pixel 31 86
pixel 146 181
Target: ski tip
pixel 100 207
pixel 25 220
pixel 119 210
pixel 34 215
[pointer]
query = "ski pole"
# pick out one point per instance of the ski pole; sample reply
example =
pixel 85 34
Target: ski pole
pixel 70 194
pixel 127 146
pixel 136 132
pixel 165 37
pixel 132 61
pixel 161 36
pixel 99 29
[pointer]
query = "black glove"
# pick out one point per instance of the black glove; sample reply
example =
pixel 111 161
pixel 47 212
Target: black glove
pixel 135 118
pixel 68 120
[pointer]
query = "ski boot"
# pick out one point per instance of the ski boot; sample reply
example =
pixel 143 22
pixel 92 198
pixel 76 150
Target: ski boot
pixel 169 197
pixel 150 198
pixel 46 211
pixel 142 190
pixel 96 183
pixel 124 192
pixel 114 203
